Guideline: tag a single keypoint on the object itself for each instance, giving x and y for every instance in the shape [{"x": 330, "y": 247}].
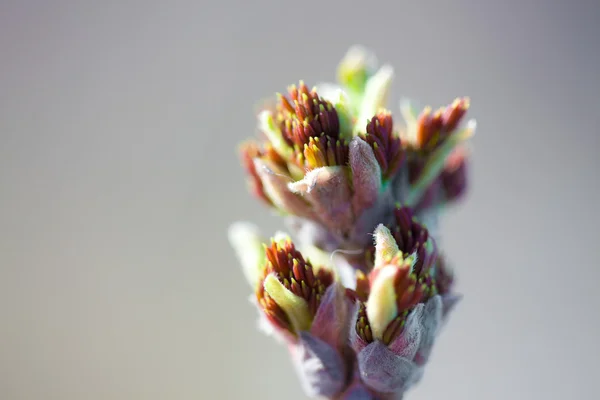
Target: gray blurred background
[{"x": 119, "y": 177}]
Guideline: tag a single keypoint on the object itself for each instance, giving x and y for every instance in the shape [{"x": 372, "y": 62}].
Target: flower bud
[
  {"x": 403, "y": 276},
  {"x": 395, "y": 290},
  {"x": 435, "y": 162},
  {"x": 385, "y": 143},
  {"x": 413, "y": 239},
  {"x": 433, "y": 127},
  {"x": 311, "y": 126},
  {"x": 306, "y": 115},
  {"x": 305, "y": 304},
  {"x": 333, "y": 165},
  {"x": 290, "y": 290}
]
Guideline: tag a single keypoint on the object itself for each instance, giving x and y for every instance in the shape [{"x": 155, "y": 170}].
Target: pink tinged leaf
[
  {"x": 383, "y": 371},
  {"x": 366, "y": 175},
  {"x": 327, "y": 189},
  {"x": 331, "y": 320},
  {"x": 407, "y": 342},
  {"x": 320, "y": 367},
  {"x": 275, "y": 186},
  {"x": 431, "y": 320}
]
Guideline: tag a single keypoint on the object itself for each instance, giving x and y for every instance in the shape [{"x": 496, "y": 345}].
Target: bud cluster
[{"x": 362, "y": 294}]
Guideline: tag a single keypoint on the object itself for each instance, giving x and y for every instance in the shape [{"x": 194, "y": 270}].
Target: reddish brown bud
[
  {"x": 433, "y": 127},
  {"x": 325, "y": 151},
  {"x": 306, "y": 115},
  {"x": 425, "y": 128},
  {"x": 454, "y": 113},
  {"x": 297, "y": 275},
  {"x": 395, "y": 328},
  {"x": 413, "y": 238},
  {"x": 410, "y": 290},
  {"x": 385, "y": 143}
]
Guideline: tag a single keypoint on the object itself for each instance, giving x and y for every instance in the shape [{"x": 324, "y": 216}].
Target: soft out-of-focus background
[{"x": 118, "y": 179}]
